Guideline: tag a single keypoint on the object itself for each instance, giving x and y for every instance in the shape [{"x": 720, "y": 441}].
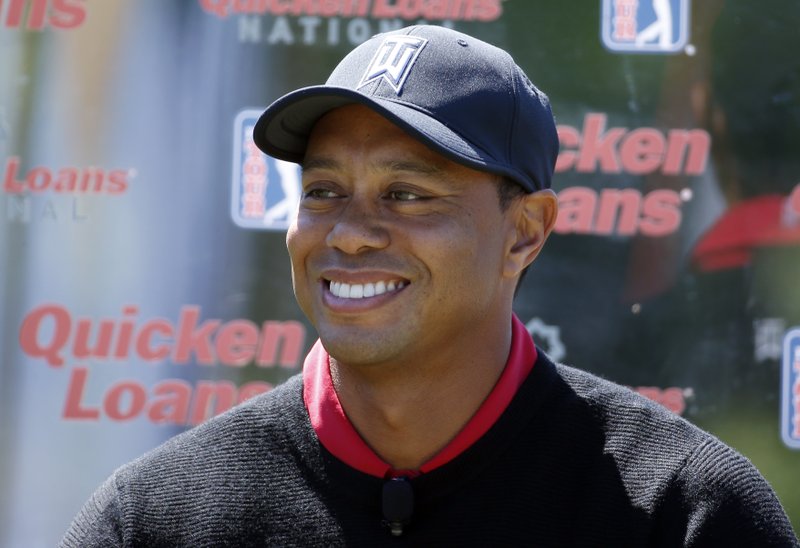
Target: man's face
[{"x": 397, "y": 252}]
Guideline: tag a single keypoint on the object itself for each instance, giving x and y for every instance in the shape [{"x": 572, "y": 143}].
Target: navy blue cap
[{"x": 464, "y": 98}]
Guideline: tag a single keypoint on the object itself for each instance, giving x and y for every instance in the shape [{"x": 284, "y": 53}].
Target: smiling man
[{"x": 425, "y": 415}]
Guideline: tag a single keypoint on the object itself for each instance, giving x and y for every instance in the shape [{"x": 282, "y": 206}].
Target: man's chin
[{"x": 361, "y": 349}]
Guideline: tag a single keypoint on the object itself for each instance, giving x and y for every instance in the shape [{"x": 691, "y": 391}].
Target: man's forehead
[
  {"x": 357, "y": 125},
  {"x": 345, "y": 129},
  {"x": 419, "y": 166}
]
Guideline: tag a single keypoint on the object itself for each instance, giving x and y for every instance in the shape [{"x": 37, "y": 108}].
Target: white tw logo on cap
[{"x": 393, "y": 61}]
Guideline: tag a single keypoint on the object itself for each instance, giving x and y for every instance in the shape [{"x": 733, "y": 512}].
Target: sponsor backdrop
[{"x": 143, "y": 276}]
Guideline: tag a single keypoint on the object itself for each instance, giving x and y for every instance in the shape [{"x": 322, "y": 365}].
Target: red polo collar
[{"x": 340, "y": 438}]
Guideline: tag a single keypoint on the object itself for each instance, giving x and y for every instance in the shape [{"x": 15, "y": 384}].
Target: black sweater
[{"x": 573, "y": 461}]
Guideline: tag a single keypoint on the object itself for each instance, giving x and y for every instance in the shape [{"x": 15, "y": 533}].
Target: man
[{"x": 425, "y": 416}]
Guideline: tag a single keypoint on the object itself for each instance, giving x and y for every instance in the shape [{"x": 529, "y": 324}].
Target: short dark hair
[{"x": 507, "y": 191}]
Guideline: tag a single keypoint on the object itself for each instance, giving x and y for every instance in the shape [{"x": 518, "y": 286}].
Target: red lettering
[
  {"x": 92, "y": 180},
  {"x": 280, "y": 7},
  {"x": 381, "y": 9},
  {"x": 624, "y": 29},
  {"x": 37, "y": 14},
  {"x": 253, "y": 207},
  {"x": 362, "y": 9},
  {"x": 599, "y": 147},
  {"x": 468, "y": 10},
  {"x": 638, "y": 152},
  {"x": 674, "y": 400},
  {"x": 255, "y": 179},
  {"x": 474, "y": 10},
  {"x": 255, "y": 166},
  {"x": 454, "y": 11},
  {"x": 10, "y": 183},
  {"x": 73, "y": 408},
  {"x": 172, "y": 401},
  {"x": 671, "y": 398},
  {"x": 30, "y": 330},
  {"x": 649, "y": 392},
  {"x": 39, "y": 179},
  {"x": 697, "y": 141},
  {"x": 435, "y": 10},
  {"x": 642, "y": 151},
  {"x": 624, "y": 20},
  {"x": 409, "y": 9},
  {"x": 576, "y": 207},
  {"x": 68, "y": 14},
  {"x": 488, "y": 10},
  {"x": 102, "y": 347},
  {"x": 173, "y": 405},
  {"x": 289, "y": 336},
  {"x": 122, "y": 348},
  {"x": 14, "y": 15},
  {"x": 796, "y": 419},
  {"x": 661, "y": 213},
  {"x": 301, "y": 7},
  {"x": 192, "y": 339},
  {"x": 47, "y": 331},
  {"x": 114, "y": 402},
  {"x": 236, "y": 342},
  {"x": 66, "y": 180},
  {"x": 569, "y": 138},
  {"x": 329, "y": 8},
  {"x": 117, "y": 181},
  {"x": 620, "y": 209},
  {"x": 253, "y": 188},
  {"x": 217, "y": 7},
  {"x": 143, "y": 347}
]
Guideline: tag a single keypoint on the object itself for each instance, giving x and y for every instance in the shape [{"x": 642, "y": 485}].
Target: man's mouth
[{"x": 362, "y": 291}]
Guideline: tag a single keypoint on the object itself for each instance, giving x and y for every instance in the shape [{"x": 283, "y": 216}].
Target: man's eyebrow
[
  {"x": 424, "y": 168},
  {"x": 319, "y": 163}
]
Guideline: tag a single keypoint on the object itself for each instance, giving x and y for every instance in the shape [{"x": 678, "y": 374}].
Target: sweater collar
[{"x": 340, "y": 438}]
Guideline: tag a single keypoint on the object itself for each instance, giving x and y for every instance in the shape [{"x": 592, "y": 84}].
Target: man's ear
[{"x": 534, "y": 216}]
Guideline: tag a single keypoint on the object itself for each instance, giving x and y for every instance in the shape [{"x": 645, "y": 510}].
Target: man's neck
[{"x": 408, "y": 412}]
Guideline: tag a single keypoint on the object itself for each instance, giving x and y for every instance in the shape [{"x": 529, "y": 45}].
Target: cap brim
[{"x": 283, "y": 129}]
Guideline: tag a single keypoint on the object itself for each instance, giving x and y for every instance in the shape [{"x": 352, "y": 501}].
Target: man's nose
[{"x": 358, "y": 228}]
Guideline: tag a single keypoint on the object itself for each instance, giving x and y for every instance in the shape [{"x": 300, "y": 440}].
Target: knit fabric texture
[{"x": 574, "y": 461}]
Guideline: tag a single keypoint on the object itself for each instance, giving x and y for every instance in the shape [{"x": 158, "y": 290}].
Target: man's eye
[
  {"x": 403, "y": 195},
  {"x": 320, "y": 194}
]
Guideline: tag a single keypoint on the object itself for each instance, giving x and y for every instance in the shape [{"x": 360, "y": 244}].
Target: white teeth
[{"x": 360, "y": 291}]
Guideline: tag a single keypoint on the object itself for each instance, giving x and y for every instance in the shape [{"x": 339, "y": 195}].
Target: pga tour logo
[
  {"x": 645, "y": 26},
  {"x": 790, "y": 390},
  {"x": 265, "y": 192}
]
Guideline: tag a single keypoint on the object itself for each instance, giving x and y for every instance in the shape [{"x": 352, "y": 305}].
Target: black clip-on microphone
[{"x": 398, "y": 504}]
